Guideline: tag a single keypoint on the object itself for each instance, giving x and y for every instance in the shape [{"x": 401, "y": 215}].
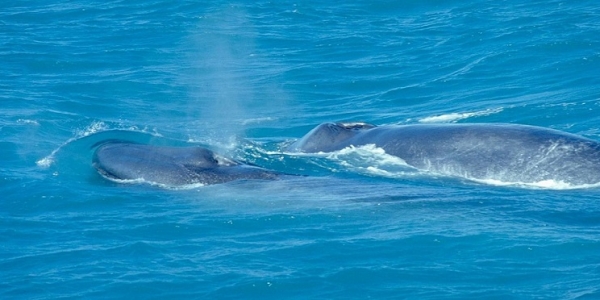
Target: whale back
[
  {"x": 498, "y": 152},
  {"x": 171, "y": 165},
  {"x": 328, "y": 137}
]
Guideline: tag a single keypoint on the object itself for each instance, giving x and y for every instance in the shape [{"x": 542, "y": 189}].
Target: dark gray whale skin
[
  {"x": 505, "y": 152},
  {"x": 171, "y": 166}
]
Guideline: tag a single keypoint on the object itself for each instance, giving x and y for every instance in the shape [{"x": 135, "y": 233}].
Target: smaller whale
[
  {"x": 171, "y": 166},
  {"x": 503, "y": 152}
]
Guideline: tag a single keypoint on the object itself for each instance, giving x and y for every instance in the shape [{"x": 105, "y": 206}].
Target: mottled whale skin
[
  {"x": 171, "y": 166},
  {"x": 504, "y": 152}
]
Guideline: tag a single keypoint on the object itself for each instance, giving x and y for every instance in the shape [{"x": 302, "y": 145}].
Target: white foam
[
  {"x": 93, "y": 128},
  {"x": 370, "y": 159},
  {"x": 28, "y": 122},
  {"x": 453, "y": 117},
  {"x": 258, "y": 120},
  {"x": 549, "y": 184},
  {"x": 46, "y": 161},
  {"x": 369, "y": 152},
  {"x": 160, "y": 185},
  {"x": 49, "y": 160}
]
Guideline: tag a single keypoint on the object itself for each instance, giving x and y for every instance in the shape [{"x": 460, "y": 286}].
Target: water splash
[
  {"x": 91, "y": 129},
  {"x": 368, "y": 159},
  {"x": 544, "y": 184},
  {"x": 136, "y": 181},
  {"x": 453, "y": 117}
]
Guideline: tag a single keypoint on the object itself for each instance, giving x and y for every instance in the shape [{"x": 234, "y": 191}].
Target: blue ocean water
[{"x": 246, "y": 78}]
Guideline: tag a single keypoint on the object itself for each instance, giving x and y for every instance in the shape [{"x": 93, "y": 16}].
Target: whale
[
  {"x": 171, "y": 166},
  {"x": 502, "y": 152}
]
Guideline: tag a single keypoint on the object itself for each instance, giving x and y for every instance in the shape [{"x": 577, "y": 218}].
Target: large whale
[
  {"x": 503, "y": 152},
  {"x": 171, "y": 166}
]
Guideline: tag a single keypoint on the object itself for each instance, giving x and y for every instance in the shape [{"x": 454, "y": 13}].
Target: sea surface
[{"x": 246, "y": 78}]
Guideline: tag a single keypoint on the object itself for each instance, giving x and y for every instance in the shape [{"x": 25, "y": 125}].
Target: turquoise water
[{"x": 246, "y": 79}]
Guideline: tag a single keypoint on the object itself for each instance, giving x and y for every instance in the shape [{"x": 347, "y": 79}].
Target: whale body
[
  {"x": 171, "y": 166},
  {"x": 503, "y": 152}
]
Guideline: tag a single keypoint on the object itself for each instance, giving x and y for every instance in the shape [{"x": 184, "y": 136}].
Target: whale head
[
  {"x": 329, "y": 137},
  {"x": 167, "y": 165}
]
